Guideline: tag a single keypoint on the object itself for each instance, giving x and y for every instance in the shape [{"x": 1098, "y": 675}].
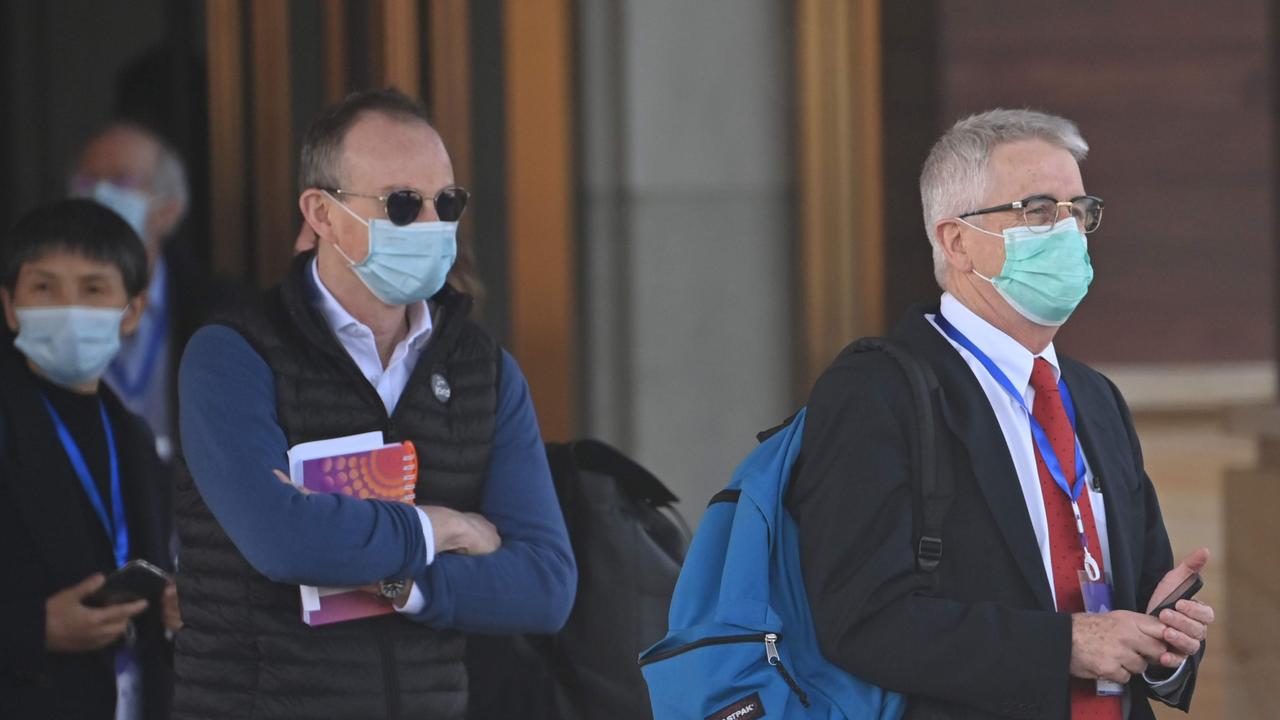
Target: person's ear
[
  {"x": 10, "y": 315},
  {"x": 314, "y": 205},
  {"x": 305, "y": 240},
  {"x": 133, "y": 314},
  {"x": 951, "y": 238},
  {"x": 163, "y": 218}
]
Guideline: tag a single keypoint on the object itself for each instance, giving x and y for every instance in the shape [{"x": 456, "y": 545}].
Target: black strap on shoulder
[
  {"x": 934, "y": 482},
  {"x": 725, "y": 496}
]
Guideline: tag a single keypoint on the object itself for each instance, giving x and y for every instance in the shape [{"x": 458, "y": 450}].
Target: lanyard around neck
[
  {"x": 114, "y": 523},
  {"x": 1041, "y": 438}
]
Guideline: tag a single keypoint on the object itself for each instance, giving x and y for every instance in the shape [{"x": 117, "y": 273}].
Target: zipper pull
[{"x": 771, "y": 648}]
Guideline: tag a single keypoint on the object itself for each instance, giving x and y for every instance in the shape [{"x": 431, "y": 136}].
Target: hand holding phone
[
  {"x": 1185, "y": 591},
  {"x": 137, "y": 580},
  {"x": 73, "y": 627}
]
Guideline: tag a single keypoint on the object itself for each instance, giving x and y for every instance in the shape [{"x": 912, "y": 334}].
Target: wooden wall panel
[
  {"x": 225, "y": 36},
  {"x": 537, "y": 49},
  {"x": 334, "y": 17},
  {"x": 275, "y": 216},
  {"x": 449, "y": 54},
  {"x": 839, "y": 176},
  {"x": 399, "y": 32}
]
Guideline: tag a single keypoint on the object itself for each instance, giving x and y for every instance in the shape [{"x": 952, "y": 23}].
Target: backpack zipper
[
  {"x": 704, "y": 642},
  {"x": 770, "y": 641},
  {"x": 771, "y": 652}
]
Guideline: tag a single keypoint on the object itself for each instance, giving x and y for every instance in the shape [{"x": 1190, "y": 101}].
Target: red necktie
[{"x": 1064, "y": 539}]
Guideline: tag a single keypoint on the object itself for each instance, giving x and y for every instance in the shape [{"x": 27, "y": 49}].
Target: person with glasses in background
[
  {"x": 1053, "y": 549},
  {"x": 369, "y": 331},
  {"x": 138, "y": 175},
  {"x": 82, "y": 492}
]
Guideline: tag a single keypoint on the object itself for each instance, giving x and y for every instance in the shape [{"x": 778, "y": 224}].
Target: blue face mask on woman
[
  {"x": 1046, "y": 274},
  {"x": 72, "y": 345},
  {"x": 406, "y": 263}
]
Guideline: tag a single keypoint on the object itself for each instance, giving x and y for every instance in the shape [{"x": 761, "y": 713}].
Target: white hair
[
  {"x": 170, "y": 181},
  {"x": 955, "y": 178}
]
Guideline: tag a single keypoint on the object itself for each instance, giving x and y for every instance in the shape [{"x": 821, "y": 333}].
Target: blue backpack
[{"x": 741, "y": 642}]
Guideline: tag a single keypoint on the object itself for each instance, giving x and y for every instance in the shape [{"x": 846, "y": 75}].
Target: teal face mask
[{"x": 1045, "y": 274}]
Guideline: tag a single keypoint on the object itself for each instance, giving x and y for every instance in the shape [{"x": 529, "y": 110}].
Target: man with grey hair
[
  {"x": 135, "y": 173},
  {"x": 1053, "y": 550}
]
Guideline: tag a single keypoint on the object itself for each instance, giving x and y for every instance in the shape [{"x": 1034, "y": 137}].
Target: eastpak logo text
[{"x": 748, "y": 708}]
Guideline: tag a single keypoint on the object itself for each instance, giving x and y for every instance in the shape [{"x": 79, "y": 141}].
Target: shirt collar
[
  {"x": 1014, "y": 360},
  {"x": 344, "y": 323}
]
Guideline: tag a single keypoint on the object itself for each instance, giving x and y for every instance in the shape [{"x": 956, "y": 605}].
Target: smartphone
[
  {"x": 1185, "y": 591},
  {"x": 137, "y": 580}
]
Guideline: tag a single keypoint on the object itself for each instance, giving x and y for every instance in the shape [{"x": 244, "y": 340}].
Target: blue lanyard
[
  {"x": 115, "y": 525},
  {"x": 1041, "y": 438},
  {"x": 133, "y": 387}
]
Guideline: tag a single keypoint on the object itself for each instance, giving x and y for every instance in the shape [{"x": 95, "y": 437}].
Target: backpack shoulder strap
[{"x": 931, "y": 454}]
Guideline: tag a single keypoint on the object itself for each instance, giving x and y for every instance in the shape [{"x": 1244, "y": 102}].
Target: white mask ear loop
[
  {"x": 343, "y": 205},
  {"x": 336, "y": 246},
  {"x": 981, "y": 230},
  {"x": 988, "y": 232}
]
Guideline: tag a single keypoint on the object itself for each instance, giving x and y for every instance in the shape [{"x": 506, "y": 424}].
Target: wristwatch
[{"x": 392, "y": 589}]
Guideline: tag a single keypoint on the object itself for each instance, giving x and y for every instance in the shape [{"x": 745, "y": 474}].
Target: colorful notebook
[{"x": 360, "y": 466}]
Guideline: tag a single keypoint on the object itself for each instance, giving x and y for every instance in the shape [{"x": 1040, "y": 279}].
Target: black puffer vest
[{"x": 244, "y": 651}]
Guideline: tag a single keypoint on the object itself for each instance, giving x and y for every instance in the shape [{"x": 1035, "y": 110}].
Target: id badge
[
  {"x": 128, "y": 684},
  {"x": 1097, "y": 599}
]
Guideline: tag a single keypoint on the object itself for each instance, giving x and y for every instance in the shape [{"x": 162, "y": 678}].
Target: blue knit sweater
[{"x": 232, "y": 440}]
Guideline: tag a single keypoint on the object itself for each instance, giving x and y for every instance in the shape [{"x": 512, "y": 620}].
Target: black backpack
[{"x": 629, "y": 544}]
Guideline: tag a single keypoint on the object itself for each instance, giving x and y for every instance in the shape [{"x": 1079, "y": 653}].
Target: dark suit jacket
[
  {"x": 45, "y": 546},
  {"x": 980, "y": 637}
]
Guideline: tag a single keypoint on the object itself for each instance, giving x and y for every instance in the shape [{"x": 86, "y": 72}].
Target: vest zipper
[
  {"x": 771, "y": 652},
  {"x": 391, "y": 679}
]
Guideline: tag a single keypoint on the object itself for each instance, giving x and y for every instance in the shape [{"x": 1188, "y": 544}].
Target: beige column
[{"x": 840, "y": 177}]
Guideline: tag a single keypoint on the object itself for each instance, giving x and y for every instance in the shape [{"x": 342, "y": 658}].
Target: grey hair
[
  {"x": 955, "y": 178},
  {"x": 171, "y": 178}
]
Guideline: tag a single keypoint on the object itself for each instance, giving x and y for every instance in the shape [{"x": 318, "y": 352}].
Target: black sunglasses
[{"x": 403, "y": 206}]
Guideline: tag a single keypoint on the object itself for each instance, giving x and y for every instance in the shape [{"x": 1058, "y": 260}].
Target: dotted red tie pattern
[{"x": 1064, "y": 539}]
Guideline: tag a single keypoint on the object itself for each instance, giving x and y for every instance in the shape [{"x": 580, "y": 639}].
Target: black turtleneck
[{"x": 81, "y": 414}]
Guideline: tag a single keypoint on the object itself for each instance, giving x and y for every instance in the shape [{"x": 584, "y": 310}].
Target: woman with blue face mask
[{"x": 82, "y": 492}]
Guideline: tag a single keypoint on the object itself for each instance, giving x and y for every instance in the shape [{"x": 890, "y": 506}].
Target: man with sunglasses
[
  {"x": 1053, "y": 550},
  {"x": 369, "y": 331}
]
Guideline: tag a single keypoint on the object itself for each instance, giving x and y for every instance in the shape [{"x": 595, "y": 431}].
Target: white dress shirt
[
  {"x": 1015, "y": 421},
  {"x": 357, "y": 339},
  {"x": 1015, "y": 361}
]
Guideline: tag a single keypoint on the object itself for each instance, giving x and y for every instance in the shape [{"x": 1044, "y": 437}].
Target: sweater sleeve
[
  {"x": 232, "y": 440},
  {"x": 528, "y": 585}
]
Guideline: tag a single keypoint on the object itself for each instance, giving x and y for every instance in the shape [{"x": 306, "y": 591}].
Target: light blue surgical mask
[
  {"x": 406, "y": 263},
  {"x": 71, "y": 344},
  {"x": 132, "y": 205},
  {"x": 1045, "y": 274}
]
